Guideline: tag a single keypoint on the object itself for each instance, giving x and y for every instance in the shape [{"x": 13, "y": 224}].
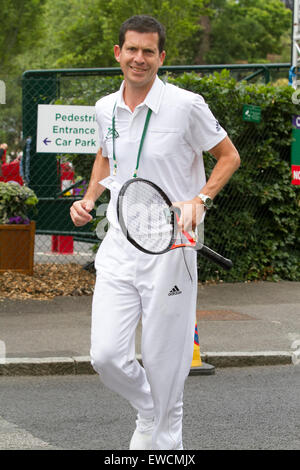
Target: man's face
[{"x": 139, "y": 58}]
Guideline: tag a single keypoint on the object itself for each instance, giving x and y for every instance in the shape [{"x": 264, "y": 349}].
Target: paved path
[{"x": 238, "y": 324}]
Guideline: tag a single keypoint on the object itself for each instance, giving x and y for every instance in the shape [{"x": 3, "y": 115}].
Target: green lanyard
[{"x": 141, "y": 143}]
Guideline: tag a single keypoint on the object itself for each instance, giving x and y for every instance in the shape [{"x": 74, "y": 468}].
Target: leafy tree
[
  {"x": 247, "y": 30},
  {"x": 58, "y": 33},
  {"x": 20, "y": 35},
  {"x": 83, "y": 34},
  {"x": 19, "y": 30}
]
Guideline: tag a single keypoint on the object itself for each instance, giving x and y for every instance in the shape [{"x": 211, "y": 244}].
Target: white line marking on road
[{"x": 14, "y": 437}]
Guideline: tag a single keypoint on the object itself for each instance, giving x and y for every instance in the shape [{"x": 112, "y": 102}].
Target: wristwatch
[{"x": 207, "y": 201}]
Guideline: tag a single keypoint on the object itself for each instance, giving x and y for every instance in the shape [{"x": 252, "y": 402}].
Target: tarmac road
[{"x": 237, "y": 408}]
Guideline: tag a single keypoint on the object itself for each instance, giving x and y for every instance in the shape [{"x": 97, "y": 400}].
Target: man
[{"x": 131, "y": 284}]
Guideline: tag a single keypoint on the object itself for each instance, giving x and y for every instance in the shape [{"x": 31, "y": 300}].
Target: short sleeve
[
  {"x": 102, "y": 143},
  {"x": 203, "y": 131}
]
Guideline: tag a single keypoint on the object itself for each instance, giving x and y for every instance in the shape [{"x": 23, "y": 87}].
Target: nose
[{"x": 139, "y": 57}]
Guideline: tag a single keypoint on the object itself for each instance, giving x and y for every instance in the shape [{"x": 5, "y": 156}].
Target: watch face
[{"x": 208, "y": 203}]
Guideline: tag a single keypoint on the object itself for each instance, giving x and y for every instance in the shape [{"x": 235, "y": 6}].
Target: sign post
[
  {"x": 251, "y": 113},
  {"x": 66, "y": 129}
]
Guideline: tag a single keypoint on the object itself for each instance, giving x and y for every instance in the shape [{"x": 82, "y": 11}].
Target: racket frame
[
  {"x": 198, "y": 246},
  {"x": 123, "y": 223}
]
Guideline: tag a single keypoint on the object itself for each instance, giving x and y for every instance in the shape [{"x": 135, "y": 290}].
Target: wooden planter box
[{"x": 17, "y": 248}]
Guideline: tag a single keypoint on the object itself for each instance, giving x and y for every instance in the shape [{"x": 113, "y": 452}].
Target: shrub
[
  {"x": 15, "y": 203},
  {"x": 255, "y": 220}
]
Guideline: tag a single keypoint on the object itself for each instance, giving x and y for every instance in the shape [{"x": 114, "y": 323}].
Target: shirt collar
[{"x": 152, "y": 100}]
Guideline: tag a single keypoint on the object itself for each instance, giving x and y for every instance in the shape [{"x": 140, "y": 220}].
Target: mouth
[{"x": 137, "y": 69}]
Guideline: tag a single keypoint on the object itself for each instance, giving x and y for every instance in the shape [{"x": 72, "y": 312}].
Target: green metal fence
[{"x": 42, "y": 172}]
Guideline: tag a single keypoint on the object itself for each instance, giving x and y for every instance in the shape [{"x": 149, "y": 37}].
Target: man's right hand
[{"x": 80, "y": 212}]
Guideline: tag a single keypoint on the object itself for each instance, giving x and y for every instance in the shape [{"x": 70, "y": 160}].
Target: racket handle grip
[{"x": 225, "y": 263}]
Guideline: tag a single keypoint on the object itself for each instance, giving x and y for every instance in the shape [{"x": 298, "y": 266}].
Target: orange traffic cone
[
  {"x": 198, "y": 367},
  {"x": 196, "y": 362}
]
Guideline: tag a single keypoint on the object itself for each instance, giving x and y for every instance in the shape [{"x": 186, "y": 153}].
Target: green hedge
[
  {"x": 256, "y": 216},
  {"x": 255, "y": 220}
]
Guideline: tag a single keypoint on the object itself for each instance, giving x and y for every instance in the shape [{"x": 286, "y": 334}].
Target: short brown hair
[{"x": 143, "y": 24}]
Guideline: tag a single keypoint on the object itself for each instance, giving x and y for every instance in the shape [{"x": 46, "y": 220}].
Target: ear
[
  {"x": 162, "y": 57},
  {"x": 117, "y": 52}
]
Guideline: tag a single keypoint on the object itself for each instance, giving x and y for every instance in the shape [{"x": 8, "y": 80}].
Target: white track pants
[{"x": 162, "y": 290}]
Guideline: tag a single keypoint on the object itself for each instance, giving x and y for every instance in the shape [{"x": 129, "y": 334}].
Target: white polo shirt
[{"x": 181, "y": 127}]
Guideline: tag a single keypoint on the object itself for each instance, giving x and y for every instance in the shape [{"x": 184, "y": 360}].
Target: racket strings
[{"x": 147, "y": 217}]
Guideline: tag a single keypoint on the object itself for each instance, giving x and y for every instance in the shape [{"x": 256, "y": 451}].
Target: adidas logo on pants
[{"x": 175, "y": 291}]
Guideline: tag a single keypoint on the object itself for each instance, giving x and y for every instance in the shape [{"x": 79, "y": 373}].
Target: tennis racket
[{"x": 149, "y": 221}]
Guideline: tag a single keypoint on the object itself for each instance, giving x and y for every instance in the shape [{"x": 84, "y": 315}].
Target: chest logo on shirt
[{"x": 110, "y": 134}]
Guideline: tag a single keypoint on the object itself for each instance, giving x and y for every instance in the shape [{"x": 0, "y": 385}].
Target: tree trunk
[{"x": 205, "y": 43}]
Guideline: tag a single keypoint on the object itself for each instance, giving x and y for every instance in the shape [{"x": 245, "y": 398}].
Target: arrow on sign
[
  {"x": 247, "y": 113},
  {"x": 46, "y": 141}
]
